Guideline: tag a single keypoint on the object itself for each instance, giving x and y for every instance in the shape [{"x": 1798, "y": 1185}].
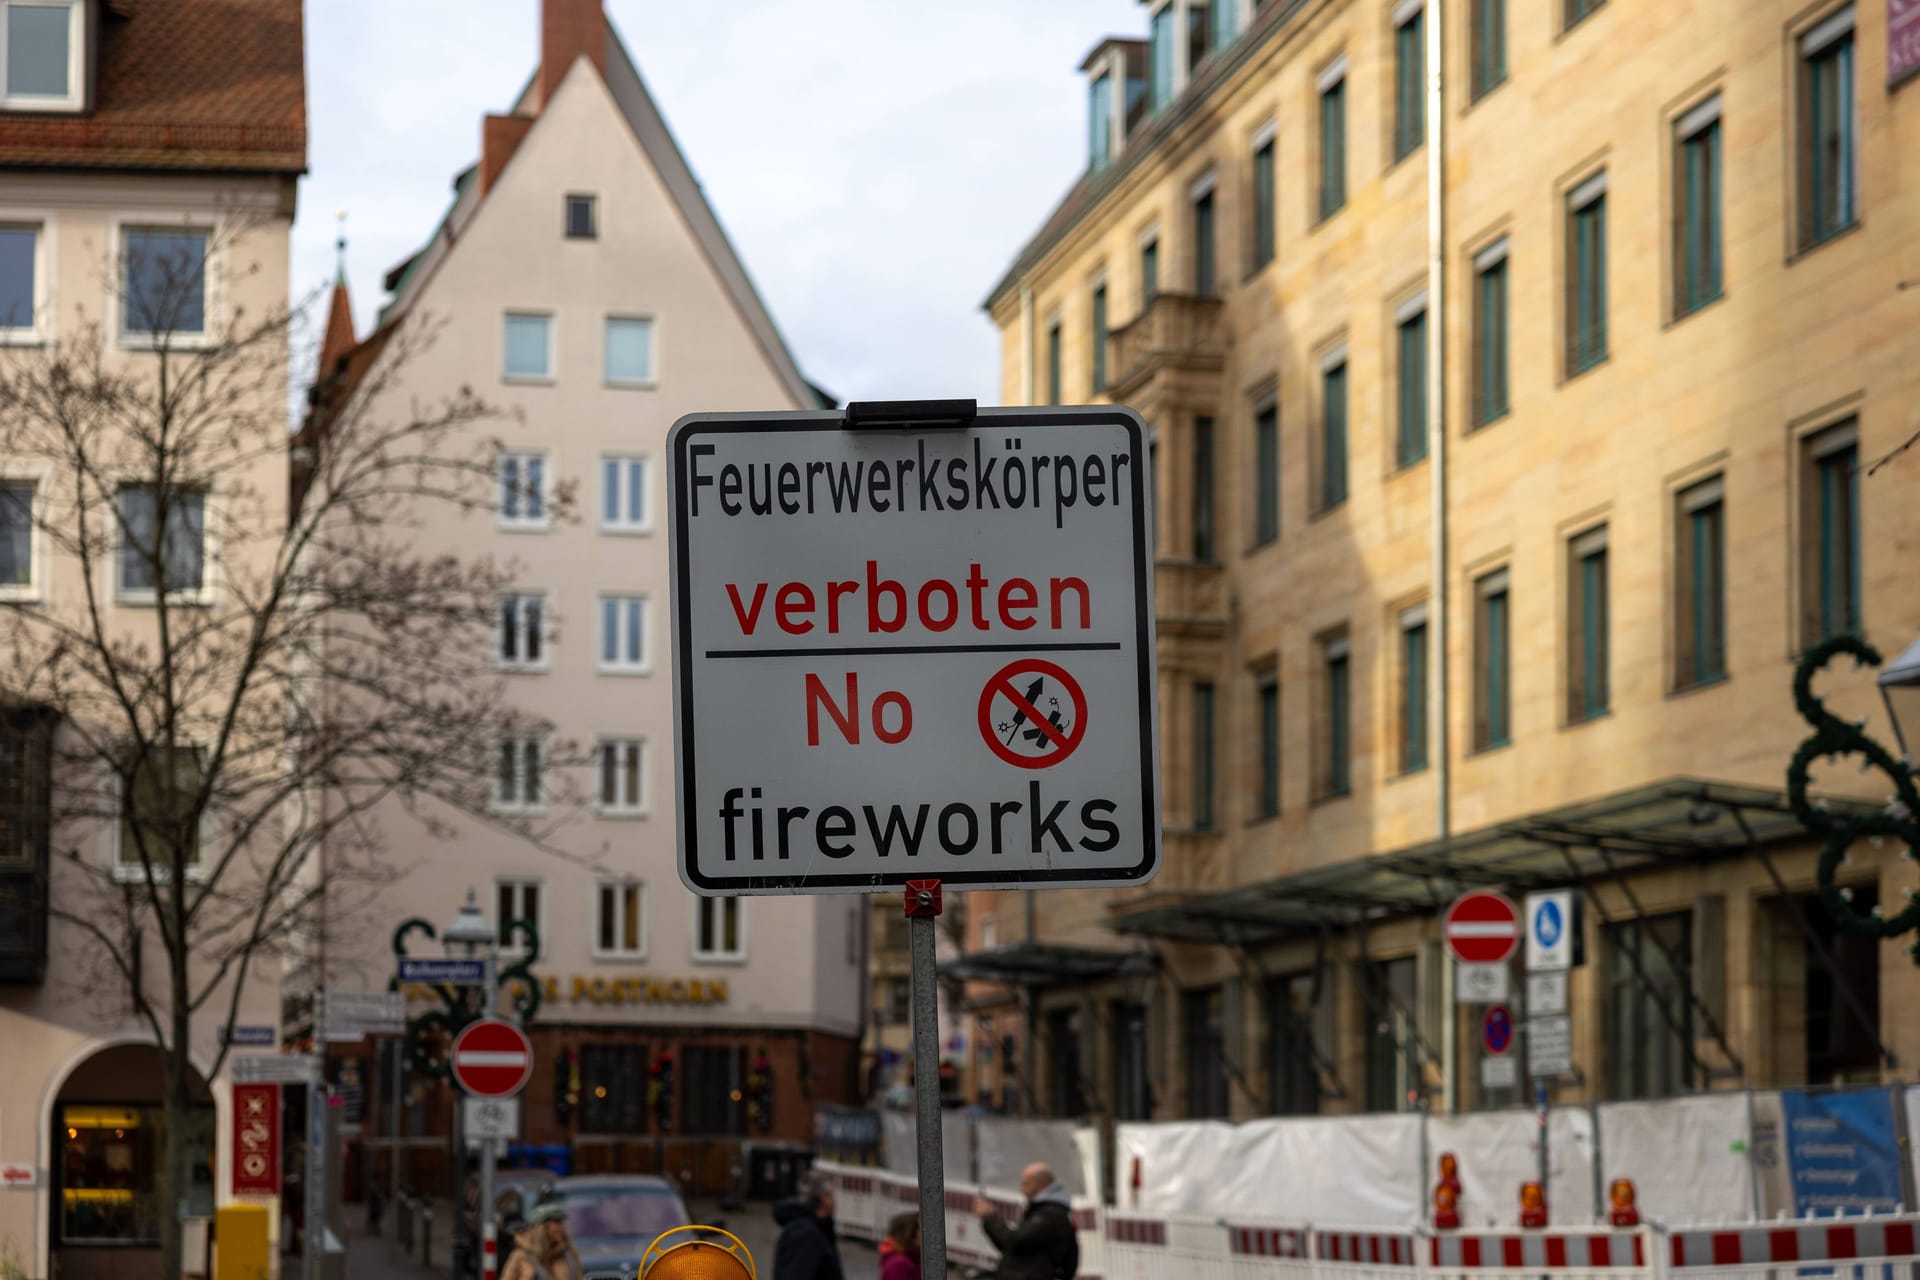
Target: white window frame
[
  {"x": 501, "y": 804},
  {"x": 126, "y": 872},
  {"x": 212, "y": 278},
  {"x": 35, "y": 589},
  {"x": 618, "y": 666},
  {"x": 41, "y": 223},
  {"x": 653, "y": 349},
  {"x": 524, "y": 523},
  {"x": 539, "y": 916},
  {"x": 623, "y": 525},
  {"x": 619, "y": 885},
  {"x": 148, "y": 597},
  {"x": 76, "y": 60},
  {"x": 545, "y": 377},
  {"x": 618, "y": 808},
  {"x": 500, "y": 661},
  {"x": 736, "y": 956}
]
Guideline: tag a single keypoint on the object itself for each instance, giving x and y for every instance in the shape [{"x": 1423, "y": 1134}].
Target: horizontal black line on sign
[{"x": 853, "y": 651}]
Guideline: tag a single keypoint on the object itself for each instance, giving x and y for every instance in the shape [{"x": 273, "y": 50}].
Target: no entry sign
[
  {"x": 913, "y": 652},
  {"x": 492, "y": 1059},
  {"x": 1482, "y": 927}
]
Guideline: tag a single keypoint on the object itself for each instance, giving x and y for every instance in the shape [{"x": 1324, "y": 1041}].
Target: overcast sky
[{"x": 876, "y": 162}]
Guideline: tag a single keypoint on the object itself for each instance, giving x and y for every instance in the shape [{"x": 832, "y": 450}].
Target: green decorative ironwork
[
  {"x": 1833, "y": 738},
  {"x": 460, "y": 1006}
]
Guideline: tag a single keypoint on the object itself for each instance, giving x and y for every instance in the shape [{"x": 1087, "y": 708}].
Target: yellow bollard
[
  {"x": 241, "y": 1250},
  {"x": 697, "y": 1257}
]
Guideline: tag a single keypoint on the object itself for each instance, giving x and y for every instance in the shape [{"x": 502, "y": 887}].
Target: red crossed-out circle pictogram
[
  {"x": 1021, "y": 720},
  {"x": 492, "y": 1059}
]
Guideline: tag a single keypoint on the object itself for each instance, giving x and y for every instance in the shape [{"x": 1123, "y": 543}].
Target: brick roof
[{"x": 181, "y": 84}]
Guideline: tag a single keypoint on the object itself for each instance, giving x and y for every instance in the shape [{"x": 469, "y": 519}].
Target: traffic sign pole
[
  {"x": 484, "y": 1217},
  {"x": 923, "y": 909}
]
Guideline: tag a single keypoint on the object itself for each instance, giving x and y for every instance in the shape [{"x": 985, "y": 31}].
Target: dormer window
[
  {"x": 1100, "y": 122},
  {"x": 1160, "y": 59},
  {"x": 40, "y": 44}
]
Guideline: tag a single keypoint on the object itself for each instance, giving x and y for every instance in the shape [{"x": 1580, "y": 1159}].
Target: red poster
[{"x": 256, "y": 1139}]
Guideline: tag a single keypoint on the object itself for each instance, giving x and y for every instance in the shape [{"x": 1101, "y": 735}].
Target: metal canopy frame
[{"x": 1041, "y": 965}]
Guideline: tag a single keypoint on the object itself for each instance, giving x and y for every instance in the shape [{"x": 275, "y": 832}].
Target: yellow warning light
[{"x": 699, "y": 1255}]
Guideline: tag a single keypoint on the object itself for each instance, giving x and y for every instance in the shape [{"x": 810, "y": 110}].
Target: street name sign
[
  {"x": 490, "y": 1119},
  {"x": 249, "y": 1036},
  {"x": 492, "y": 1059},
  {"x": 1549, "y": 1045},
  {"x": 275, "y": 1068},
  {"x": 916, "y": 650},
  {"x": 1482, "y": 927},
  {"x": 459, "y": 973}
]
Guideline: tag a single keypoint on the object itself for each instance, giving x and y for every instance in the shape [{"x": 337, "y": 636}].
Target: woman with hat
[{"x": 543, "y": 1251}]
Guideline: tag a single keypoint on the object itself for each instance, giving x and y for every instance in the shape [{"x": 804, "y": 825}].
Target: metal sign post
[
  {"x": 923, "y": 909},
  {"x": 489, "y": 1259}
]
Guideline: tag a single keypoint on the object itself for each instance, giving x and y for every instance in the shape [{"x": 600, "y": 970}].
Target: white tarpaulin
[
  {"x": 900, "y": 1151},
  {"x": 1570, "y": 1188},
  {"x": 1498, "y": 1151},
  {"x": 1178, "y": 1166},
  {"x": 1687, "y": 1157},
  {"x": 1008, "y": 1146},
  {"x": 1353, "y": 1170},
  {"x": 1087, "y": 1142},
  {"x": 1913, "y": 1128}
]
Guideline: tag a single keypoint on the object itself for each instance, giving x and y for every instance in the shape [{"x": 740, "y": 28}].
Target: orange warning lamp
[
  {"x": 1446, "y": 1194},
  {"x": 1622, "y": 1211},
  {"x": 1533, "y": 1205},
  {"x": 698, "y": 1256}
]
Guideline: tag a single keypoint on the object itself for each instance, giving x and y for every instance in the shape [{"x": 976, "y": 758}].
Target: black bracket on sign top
[{"x": 863, "y": 415}]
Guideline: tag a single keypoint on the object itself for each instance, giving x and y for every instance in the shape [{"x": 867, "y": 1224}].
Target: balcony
[
  {"x": 1190, "y": 598},
  {"x": 26, "y": 831},
  {"x": 1177, "y": 333}
]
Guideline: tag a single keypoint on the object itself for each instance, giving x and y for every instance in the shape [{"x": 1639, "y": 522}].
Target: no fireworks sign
[{"x": 913, "y": 651}]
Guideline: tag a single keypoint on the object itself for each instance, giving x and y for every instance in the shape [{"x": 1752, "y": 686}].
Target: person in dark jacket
[
  {"x": 1043, "y": 1246},
  {"x": 806, "y": 1249}
]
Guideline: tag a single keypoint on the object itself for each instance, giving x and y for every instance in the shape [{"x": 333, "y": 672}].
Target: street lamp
[
  {"x": 1900, "y": 687},
  {"x": 469, "y": 930}
]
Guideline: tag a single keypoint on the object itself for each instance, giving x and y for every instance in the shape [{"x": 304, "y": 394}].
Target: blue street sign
[
  {"x": 249, "y": 1037},
  {"x": 1496, "y": 1030},
  {"x": 459, "y": 973},
  {"x": 1547, "y": 924}
]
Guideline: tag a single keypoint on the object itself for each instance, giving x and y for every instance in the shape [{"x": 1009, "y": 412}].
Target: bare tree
[{"x": 240, "y": 646}]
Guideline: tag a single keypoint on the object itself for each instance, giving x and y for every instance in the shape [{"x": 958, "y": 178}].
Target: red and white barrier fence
[{"x": 1821, "y": 1244}]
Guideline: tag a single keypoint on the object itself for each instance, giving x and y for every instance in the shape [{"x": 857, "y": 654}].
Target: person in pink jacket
[{"x": 900, "y": 1251}]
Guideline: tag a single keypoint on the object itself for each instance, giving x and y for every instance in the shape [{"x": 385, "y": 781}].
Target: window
[
  {"x": 1649, "y": 1014},
  {"x": 1203, "y": 784},
  {"x": 1333, "y": 138},
  {"x": 581, "y": 223},
  {"x": 1588, "y": 679},
  {"x": 18, "y": 510},
  {"x": 1268, "y": 691},
  {"x": 1160, "y": 54},
  {"x": 1489, "y": 18},
  {"x": 1413, "y": 689},
  {"x": 1199, "y": 35},
  {"x": 523, "y": 640},
  {"x": 163, "y": 283},
  {"x": 1225, "y": 18},
  {"x": 42, "y": 44},
  {"x": 1409, "y": 78},
  {"x": 515, "y": 900},
  {"x": 622, "y": 776},
  {"x": 1100, "y": 122},
  {"x": 1410, "y": 332},
  {"x": 1492, "y": 663},
  {"x": 519, "y": 774},
  {"x": 523, "y": 491},
  {"x": 623, "y": 634},
  {"x": 1066, "y": 1089},
  {"x": 712, "y": 1094},
  {"x": 718, "y": 934},
  {"x": 1829, "y": 534},
  {"x": 1587, "y": 275},
  {"x": 1574, "y": 11},
  {"x": 152, "y": 552},
  {"x": 623, "y": 495},
  {"x": 1393, "y": 1035},
  {"x": 157, "y": 818},
  {"x": 1294, "y": 1044},
  {"x": 613, "y": 1088},
  {"x": 1490, "y": 334},
  {"x": 1053, "y": 363},
  {"x": 1204, "y": 281},
  {"x": 1099, "y": 337},
  {"x": 529, "y": 346},
  {"x": 1203, "y": 489},
  {"x": 19, "y": 282},
  {"x": 1132, "y": 1088},
  {"x": 1700, "y": 586},
  {"x": 1149, "y": 270},
  {"x": 1696, "y": 249},
  {"x": 108, "y": 1168},
  {"x": 1333, "y": 430},
  {"x": 1266, "y": 474},
  {"x": 899, "y": 1001},
  {"x": 629, "y": 350},
  {"x": 1264, "y": 195},
  {"x": 620, "y": 920},
  {"x": 1829, "y": 131},
  {"x": 1206, "y": 1053},
  {"x": 1335, "y": 772}
]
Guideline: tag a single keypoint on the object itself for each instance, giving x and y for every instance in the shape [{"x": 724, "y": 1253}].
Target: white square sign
[
  {"x": 482, "y": 1119},
  {"x": 913, "y": 652},
  {"x": 1479, "y": 983},
  {"x": 1549, "y": 921}
]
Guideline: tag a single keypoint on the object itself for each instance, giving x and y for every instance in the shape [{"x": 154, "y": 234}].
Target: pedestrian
[
  {"x": 900, "y": 1251},
  {"x": 1043, "y": 1246},
  {"x": 806, "y": 1249},
  {"x": 544, "y": 1251}
]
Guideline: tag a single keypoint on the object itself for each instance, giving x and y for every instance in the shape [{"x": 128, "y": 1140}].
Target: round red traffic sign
[
  {"x": 1023, "y": 718},
  {"x": 492, "y": 1059},
  {"x": 1482, "y": 927},
  {"x": 1496, "y": 1030}
]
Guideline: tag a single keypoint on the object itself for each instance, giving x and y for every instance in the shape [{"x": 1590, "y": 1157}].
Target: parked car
[{"x": 614, "y": 1217}]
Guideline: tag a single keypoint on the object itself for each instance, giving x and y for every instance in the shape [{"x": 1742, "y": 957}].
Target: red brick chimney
[
  {"x": 568, "y": 29},
  {"x": 500, "y": 137}
]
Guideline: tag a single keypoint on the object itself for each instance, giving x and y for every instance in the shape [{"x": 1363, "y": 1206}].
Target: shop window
[
  {"x": 713, "y": 1090},
  {"x": 1066, "y": 1092},
  {"x": 1649, "y": 1006},
  {"x": 1393, "y": 1035},
  {"x": 613, "y": 1088},
  {"x": 1204, "y": 1015},
  {"x": 1132, "y": 1087},
  {"x": 1294, "y": 1044}
]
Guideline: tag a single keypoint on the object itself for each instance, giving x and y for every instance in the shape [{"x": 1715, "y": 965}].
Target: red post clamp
[{"x": 923, "y": 899}]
